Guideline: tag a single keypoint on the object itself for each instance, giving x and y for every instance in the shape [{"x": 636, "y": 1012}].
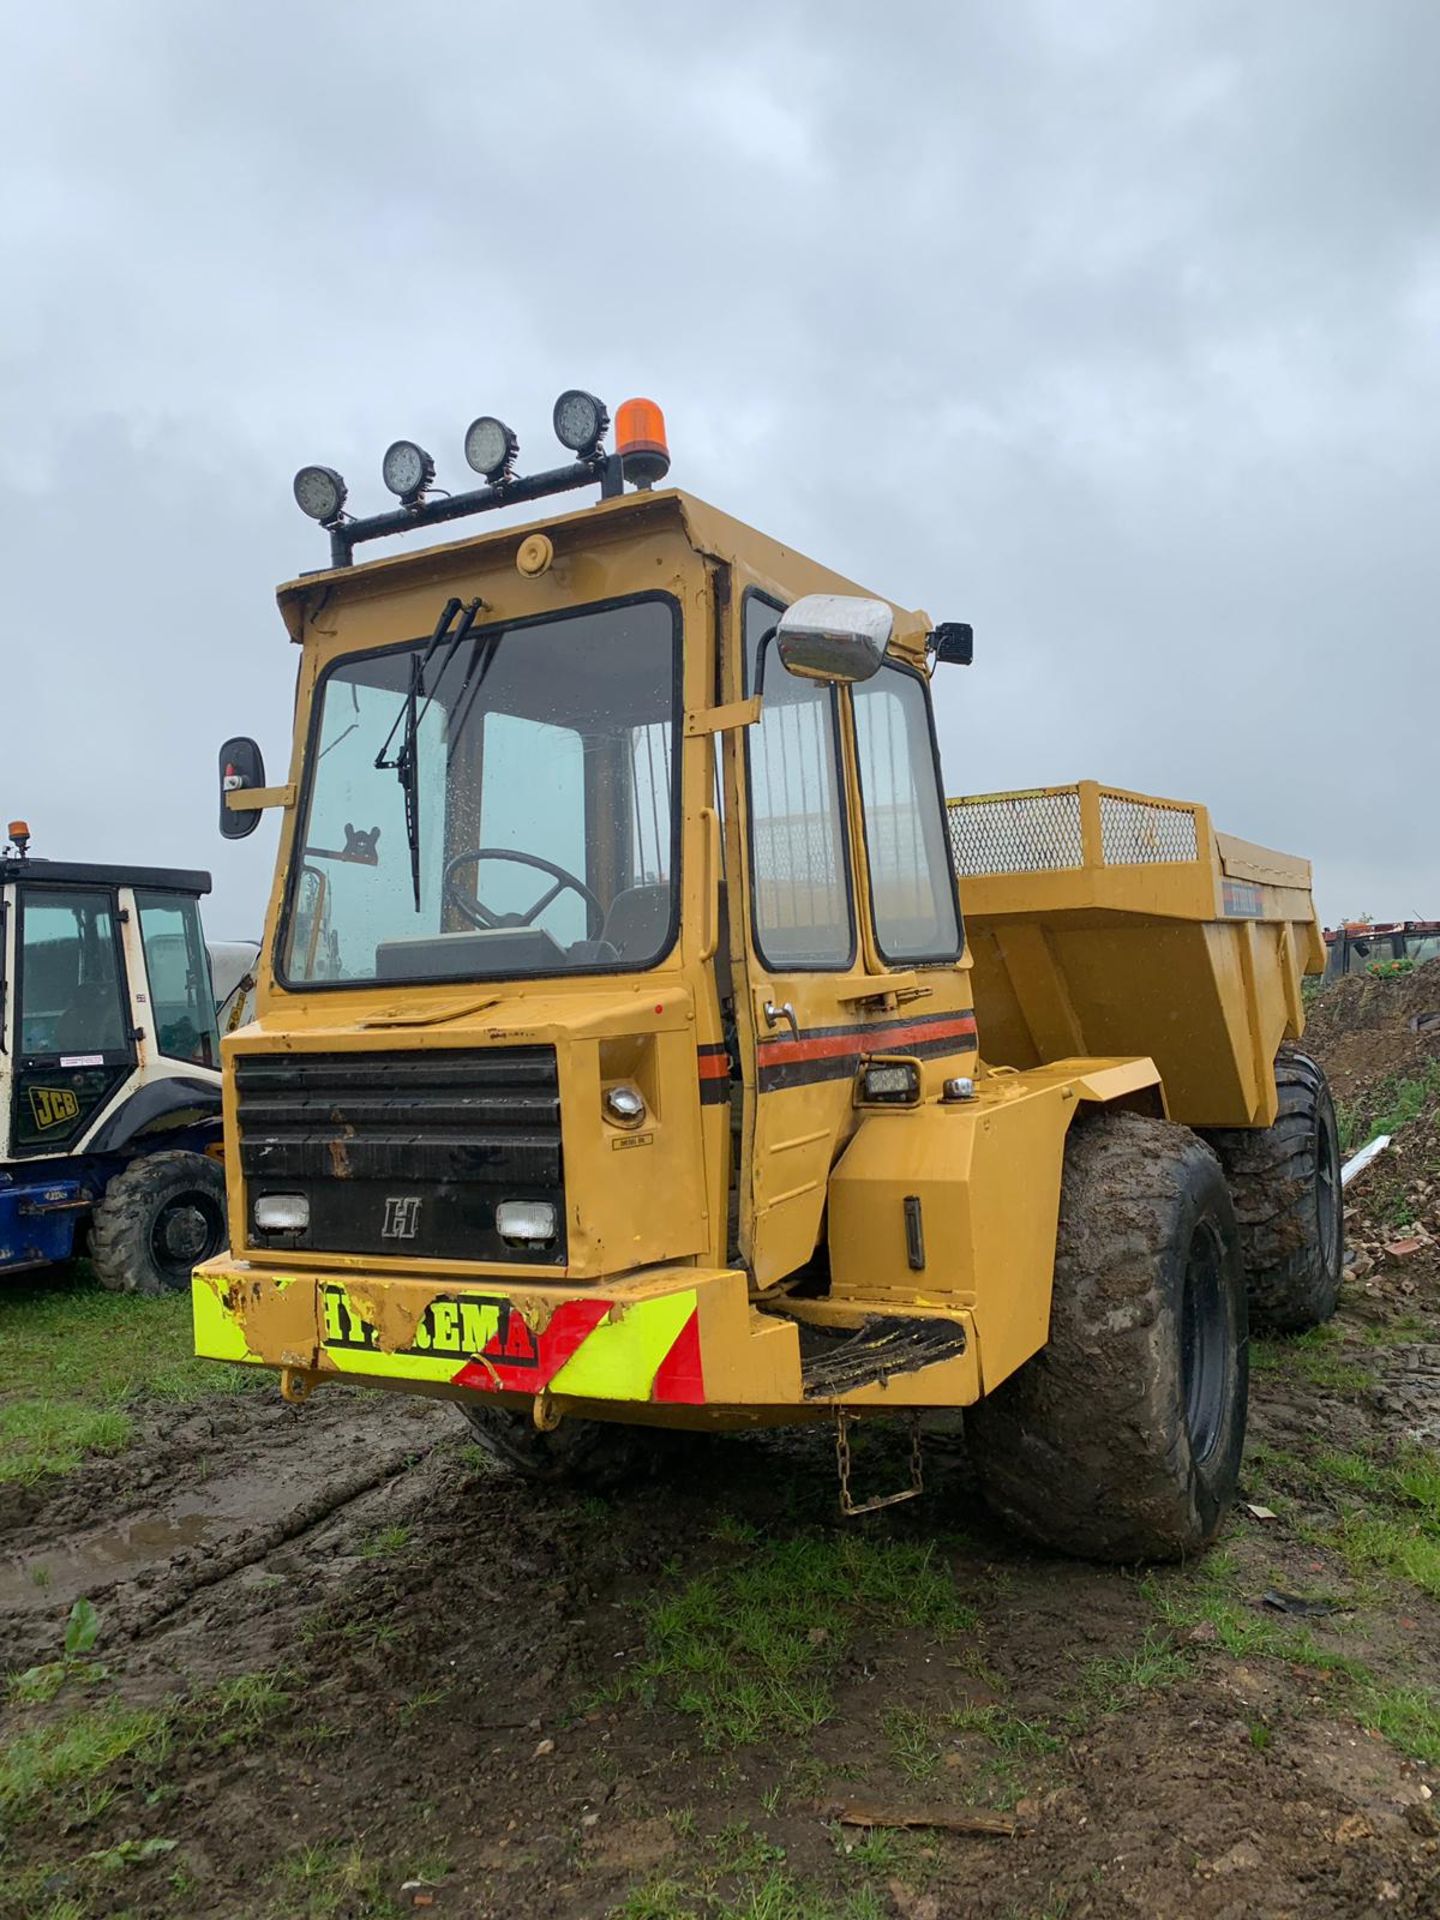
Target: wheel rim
[
  {"x": 1328, "y": 1199},
  {"x": 1205, "y": 1341},
  {"x": 186, "y": 1230}
]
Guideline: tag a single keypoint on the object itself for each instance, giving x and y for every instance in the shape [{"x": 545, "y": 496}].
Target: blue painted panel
[{"x": 37, "y": 1222}]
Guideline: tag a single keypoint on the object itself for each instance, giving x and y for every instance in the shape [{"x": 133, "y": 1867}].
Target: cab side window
[
  {"x": 912, "y": 883},
  {"x": 182, "y": 1002},
  {"x": 799, "y": 861}
]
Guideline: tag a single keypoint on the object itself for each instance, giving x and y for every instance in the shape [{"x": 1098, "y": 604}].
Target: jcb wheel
[
  {"x": 577, "y": 1453},
  {"x": 1121, "y": 1439},
  {"x": 157, "y": 1221},
  {"x": 1285, "y": 1182}
]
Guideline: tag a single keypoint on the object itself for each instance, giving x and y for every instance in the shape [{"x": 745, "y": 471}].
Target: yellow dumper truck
[{"x": 622, "y": 1061}]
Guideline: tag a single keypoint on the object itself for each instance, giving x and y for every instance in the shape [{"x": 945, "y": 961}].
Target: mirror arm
[{"x": 252, "y": 799}]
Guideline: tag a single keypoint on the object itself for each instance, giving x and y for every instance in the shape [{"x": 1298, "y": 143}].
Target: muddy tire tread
[
  {"x": 119, "y": 1237},
  {"x": 1271, "y": 1171},
  {"x": 599, "y": 1455},
  {"x": 1085, "y": 1448}
]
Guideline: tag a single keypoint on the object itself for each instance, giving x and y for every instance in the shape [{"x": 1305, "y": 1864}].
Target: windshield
[{"x": 532, "y": 811}]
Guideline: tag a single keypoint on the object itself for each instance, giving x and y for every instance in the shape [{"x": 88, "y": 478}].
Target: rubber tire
[
  {"x": 1088, "y": 1447},
  {"x": 1285, "y": 1182},
  {"x": 120, "y": 1248},
  {"x": 596, "y": 1454}
]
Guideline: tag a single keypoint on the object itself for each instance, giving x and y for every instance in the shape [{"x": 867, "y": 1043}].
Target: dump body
[{"x": 1107, "y": 922}]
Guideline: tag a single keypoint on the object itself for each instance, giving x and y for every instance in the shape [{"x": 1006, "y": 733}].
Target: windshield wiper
[{"x": 412, "y": 712}]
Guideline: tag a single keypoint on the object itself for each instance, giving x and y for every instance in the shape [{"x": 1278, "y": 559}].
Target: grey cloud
[{"x": 1110, "y": 328}]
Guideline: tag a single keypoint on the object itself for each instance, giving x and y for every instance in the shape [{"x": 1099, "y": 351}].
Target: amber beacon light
[{"x": 640, "y": 442}]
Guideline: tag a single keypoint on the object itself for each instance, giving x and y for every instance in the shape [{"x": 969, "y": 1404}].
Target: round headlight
[
  {"x": 407, "y": 469},
  {"x": 320, "y": 492},
  {"x": 580, "y": 422},
  {"x": 625, "y": 1105},
  {"x": 490, "y": 446}
]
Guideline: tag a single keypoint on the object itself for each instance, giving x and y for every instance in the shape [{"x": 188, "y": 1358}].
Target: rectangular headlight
[
  {"x": 526, "y": 1223},
  {"x": 282, "y": 1212}
]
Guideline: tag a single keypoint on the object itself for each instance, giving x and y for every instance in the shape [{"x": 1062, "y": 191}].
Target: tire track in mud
[{"x": 207, "y": 1515}]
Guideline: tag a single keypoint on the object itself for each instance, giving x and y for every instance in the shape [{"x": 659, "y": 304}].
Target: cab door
[
  {"x": 74, "y": 1044},
  {"x": 804, "y": 955},
  {"x": 855, "y": 946}
]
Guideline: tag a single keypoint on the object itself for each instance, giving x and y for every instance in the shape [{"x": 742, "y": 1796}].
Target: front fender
[{"x": 957, "y": 1203}]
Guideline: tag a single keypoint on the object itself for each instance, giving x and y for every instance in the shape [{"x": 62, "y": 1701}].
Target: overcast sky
[{"x": 1113, "y": 328}]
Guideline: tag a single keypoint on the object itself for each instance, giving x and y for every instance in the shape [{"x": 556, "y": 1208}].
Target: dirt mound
[{"x": 1369, "y": 1031}]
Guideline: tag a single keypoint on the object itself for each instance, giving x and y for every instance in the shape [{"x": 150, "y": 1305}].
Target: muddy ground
[{"x": 342, "y": 1666}]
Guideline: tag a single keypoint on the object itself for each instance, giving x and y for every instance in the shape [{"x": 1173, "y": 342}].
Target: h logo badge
[{"x": 402, "y": 1217}]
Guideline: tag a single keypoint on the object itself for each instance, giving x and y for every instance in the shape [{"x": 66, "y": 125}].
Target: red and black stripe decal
[
  {"x": 835, "y": 1053},
  {"x": 714, "y": 1063}
]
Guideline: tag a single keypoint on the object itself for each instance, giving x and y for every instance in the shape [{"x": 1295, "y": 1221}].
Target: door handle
[{"x": 784, "y": 1011}]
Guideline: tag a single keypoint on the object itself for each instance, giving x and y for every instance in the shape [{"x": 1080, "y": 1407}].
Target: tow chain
[{"x": 849, "y": 1506}]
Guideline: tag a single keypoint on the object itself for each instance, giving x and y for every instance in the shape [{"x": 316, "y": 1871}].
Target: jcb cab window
[
  {"x": 802, "y": 913},
  {"x": 71, "y": 999},
  {"x": 912, "y": 883}
]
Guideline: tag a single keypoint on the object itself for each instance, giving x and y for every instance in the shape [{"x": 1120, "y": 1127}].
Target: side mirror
[
  {"x": 241, "y": 765},
  {"x": 834, "y": 636},
  {"x": 954, "y": 643}
]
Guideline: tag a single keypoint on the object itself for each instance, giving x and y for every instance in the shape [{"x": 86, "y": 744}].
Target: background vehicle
[
  {"x": 1360, "y": 946},
  {"x": 109, "y": 1075},
  {"x": 233, "y": 972},
  {"x": 616, "y": 1062}
]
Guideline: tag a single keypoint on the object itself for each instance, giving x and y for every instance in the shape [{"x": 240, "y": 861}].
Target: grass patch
[
  {"x": 65, "y": 1758},
  {"x": 1313, "y": 1357},
  {"x": 385, "y": 1544},
  {"x": 776, "y": 1896},
  {"x": 1409, "y": 1717},
  {"x": 1394, "y": 1104},
  {"x": 1115, "y": 1681},
  {"x": 913, "y": 1741},
  {"x": 1391, "y": 1525},
  {"x": 318, "y": 1882},
  {"x": 70, "y": 1753},
  {"x": 1240, "y": 1631},
  {"x": 749, "y": 1648},
  {"x": 1006, "y": 1731},
  {"x": 96, "y": 1353}
]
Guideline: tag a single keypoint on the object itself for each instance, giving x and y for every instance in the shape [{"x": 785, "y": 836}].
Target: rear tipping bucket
[{"x": 1102, "y": 922}]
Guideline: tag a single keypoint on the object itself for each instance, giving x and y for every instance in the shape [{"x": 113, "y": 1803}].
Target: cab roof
[
  {"x": 709, "y": 531},
  {"x": 83, "y": 873}
]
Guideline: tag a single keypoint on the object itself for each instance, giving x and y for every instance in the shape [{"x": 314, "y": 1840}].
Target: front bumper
[{"x": 680, "y": 1345}]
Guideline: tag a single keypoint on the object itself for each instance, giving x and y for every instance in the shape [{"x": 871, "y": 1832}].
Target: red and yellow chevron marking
[{"x": 598, "y": 1349}]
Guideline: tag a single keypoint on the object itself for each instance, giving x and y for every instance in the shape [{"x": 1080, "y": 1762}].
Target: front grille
[{"x": 405, "y": 1154}]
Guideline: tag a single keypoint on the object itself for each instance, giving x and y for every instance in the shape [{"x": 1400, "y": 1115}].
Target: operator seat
[{"x": 90, "y": 1022}]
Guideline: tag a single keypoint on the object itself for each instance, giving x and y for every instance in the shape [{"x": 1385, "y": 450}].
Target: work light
[
  {"x": 580, "y": 422},
  {"x": 407, "y": 469},
  {"x": 320, "y": 492},
  {"x": 490, "y": 446},
  {"x": 890, "y": 1082}
]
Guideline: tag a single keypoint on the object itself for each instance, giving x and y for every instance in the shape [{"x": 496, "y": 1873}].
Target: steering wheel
[{"x": 485, "y": 918}]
